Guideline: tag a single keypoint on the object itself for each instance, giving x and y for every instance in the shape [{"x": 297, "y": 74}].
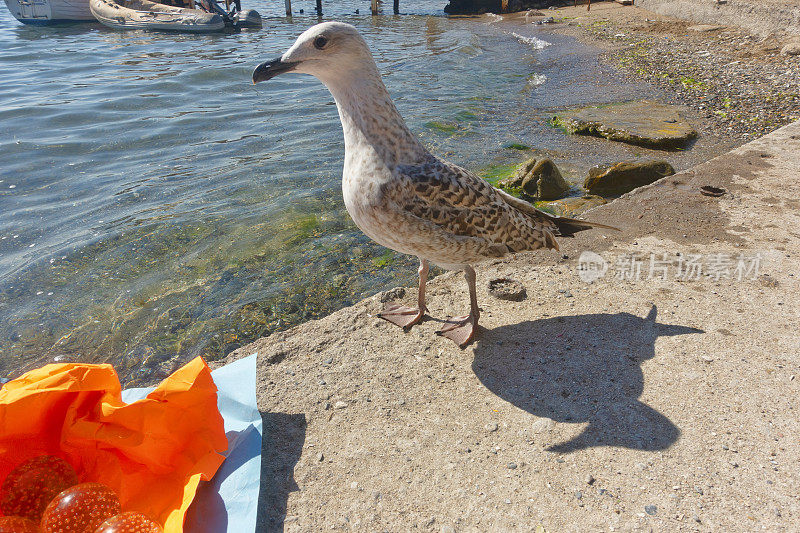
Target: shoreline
[
  {"x": 739, "y": 82},
  {"x": 627, "y": 403}
]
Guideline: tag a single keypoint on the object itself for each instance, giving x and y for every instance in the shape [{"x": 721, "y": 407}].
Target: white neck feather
[{"x": 370, "y": 120}]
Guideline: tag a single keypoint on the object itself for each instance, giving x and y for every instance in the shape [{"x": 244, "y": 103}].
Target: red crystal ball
[
  {"x": 17, "y": 524},
  {"x": 130, "y": 522},
  {"x": 80, "y": 509},
  {"x": 29, "y": 487}
]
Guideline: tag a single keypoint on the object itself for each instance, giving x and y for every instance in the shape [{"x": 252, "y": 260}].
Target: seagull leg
[
  {"x": 462, "y": 329},
  {"x": 403, "y": 316}
]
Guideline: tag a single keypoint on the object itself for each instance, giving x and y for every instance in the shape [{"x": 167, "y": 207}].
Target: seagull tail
[{"x": 567, "y": 227}]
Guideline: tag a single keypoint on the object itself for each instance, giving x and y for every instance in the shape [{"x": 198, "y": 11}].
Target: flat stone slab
[{"x": 643, "y": 123}]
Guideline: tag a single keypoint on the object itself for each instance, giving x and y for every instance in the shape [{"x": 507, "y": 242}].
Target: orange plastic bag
[{"x": 152, "y": 452}]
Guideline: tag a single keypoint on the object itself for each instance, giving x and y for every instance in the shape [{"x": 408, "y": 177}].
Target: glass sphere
[
  {"x": 130, "y": 522},
  {"x": 80, "y": 509},
  {"x": 17, "y": 524},
  {"x": 28, "y": 488}
]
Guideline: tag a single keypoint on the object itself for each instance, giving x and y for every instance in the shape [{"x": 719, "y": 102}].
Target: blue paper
[{"x": 228, "y": 502}]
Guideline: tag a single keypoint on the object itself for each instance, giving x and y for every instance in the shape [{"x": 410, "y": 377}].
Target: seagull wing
[{"x": 458, "y": 203}]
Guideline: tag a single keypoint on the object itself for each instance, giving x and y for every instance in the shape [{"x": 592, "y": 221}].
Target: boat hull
[
  {"x": 47, "y": 12},
  {"x": 145, "y": 15}
]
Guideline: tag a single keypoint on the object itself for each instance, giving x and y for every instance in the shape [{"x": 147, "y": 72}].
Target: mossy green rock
[
  {"x": 643, "y": 123},
  {"x": 625, "y": 176},
  {"x": 537, "y": 180},
  {"x": 571, "y": 207}
]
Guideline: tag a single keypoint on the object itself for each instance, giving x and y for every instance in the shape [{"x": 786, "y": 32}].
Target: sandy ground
[{"x": 629, "y": 403}]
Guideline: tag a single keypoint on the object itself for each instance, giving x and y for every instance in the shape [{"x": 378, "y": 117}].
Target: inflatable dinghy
[{"x": 146, "y": 15}]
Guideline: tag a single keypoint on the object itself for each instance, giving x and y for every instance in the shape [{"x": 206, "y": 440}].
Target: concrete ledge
[{"x": 632, "y": 402}]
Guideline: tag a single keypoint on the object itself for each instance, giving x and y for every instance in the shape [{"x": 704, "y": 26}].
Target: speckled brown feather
[{"x": 464, "y": 205}]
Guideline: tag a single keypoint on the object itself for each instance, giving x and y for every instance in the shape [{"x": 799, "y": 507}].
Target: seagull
[{"x": 402, "y": 196}]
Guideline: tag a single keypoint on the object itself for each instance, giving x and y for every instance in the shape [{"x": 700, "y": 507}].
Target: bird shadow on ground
[
  {"x": 583, "y": 368},
  {"x": 281, "y": 447}
]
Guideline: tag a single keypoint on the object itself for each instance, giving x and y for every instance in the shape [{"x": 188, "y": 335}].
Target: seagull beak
[{"x": 270, "y": 69}]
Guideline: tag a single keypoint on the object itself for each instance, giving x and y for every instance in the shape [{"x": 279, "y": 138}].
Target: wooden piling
[
  {"x": 396, "y": 7},
  {"x": 374, "y": 7},
  {"x": 319, "y": 8},
  {"x": 288, "y": 4}
]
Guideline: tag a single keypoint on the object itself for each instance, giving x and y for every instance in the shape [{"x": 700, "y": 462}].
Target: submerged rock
[
  {"x": 623, "y": 177},
  {"x": 643, "y": 123},
  {"x": 537, "y": 179},
  {"x": 571, "y": 207}
]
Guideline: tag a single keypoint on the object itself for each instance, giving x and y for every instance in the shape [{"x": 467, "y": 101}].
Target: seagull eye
[{"x": 320, "y": 42}]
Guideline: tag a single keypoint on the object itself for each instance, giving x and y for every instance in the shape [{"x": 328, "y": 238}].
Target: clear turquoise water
[{"x": 155, "y": 205}]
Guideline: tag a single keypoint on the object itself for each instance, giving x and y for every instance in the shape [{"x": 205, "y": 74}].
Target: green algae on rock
[
  {"x": 536, "y": 180},
  {"x": 444, "y": 127},
  {"x": 460, "y": 123},
  {"x": 496, "y": 173},
  {"x": 625, "y": 176},
  {"x": 516, "y": 146},
  {"x": 642, "y": 123}
]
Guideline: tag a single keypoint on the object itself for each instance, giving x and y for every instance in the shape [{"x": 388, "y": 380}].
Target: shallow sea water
[{"x": 155, "y": 205}]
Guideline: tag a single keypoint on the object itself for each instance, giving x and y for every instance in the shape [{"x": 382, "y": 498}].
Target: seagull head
[{"x": 328, "y": 51}]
